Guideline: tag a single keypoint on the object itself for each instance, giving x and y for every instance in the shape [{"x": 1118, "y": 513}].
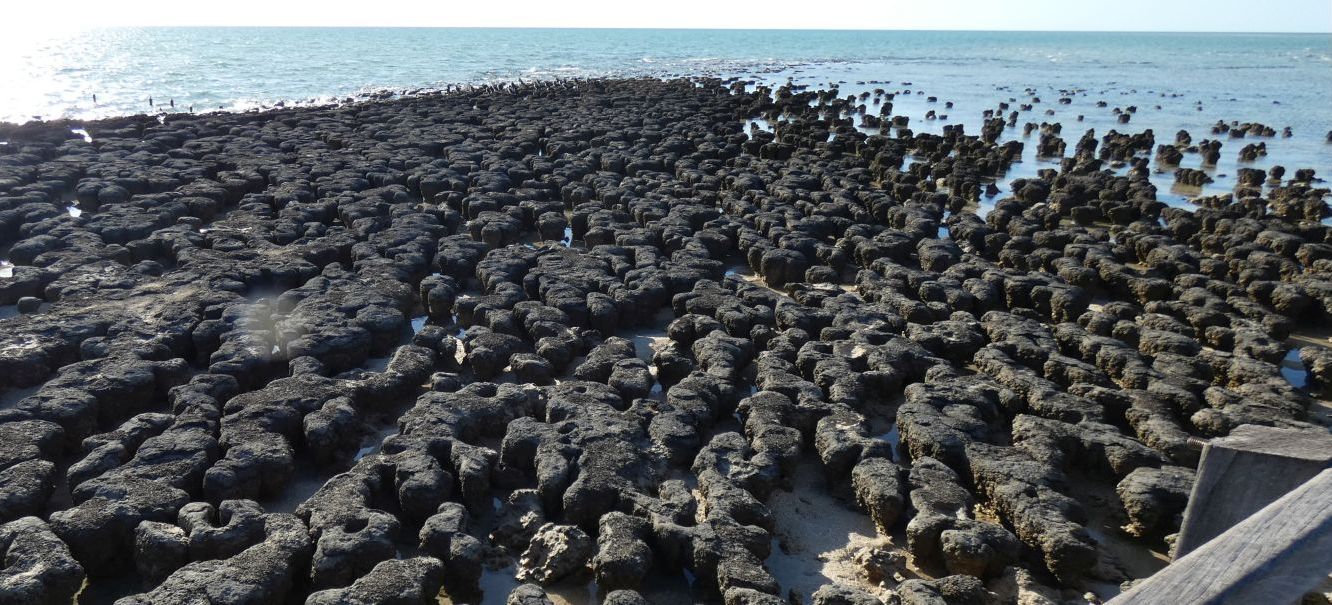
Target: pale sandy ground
[
  {"x": 1122, "y": 557},
  {"x": 818, "y": 536},
  {"x": 648, "y": 338}
]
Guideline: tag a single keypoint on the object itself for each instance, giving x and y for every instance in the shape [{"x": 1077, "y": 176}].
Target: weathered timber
[
  {"x": 1275, "y": 556},
  {"x": 1243, "y": 472}
]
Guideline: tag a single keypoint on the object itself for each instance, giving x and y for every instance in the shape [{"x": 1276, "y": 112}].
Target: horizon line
[{"x": 720, "y": 29}]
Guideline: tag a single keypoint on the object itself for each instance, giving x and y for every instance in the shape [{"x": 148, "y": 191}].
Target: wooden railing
[
  {"x": 1258, "y": 528},
  {"x": 1275, "y": 556}
]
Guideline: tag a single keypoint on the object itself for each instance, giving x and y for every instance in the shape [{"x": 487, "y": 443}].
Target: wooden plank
[
  {"x": 1245, "y": 471},
  {"x": 1275, "y": 556},
  {"x": 1312, "y": 445}
]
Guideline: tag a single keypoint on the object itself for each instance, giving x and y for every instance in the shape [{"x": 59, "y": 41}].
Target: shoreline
[{"x": 1046, "y": 59}]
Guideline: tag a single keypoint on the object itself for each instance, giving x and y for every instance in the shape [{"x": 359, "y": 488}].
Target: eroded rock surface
[{"x": 585, "y": 331}]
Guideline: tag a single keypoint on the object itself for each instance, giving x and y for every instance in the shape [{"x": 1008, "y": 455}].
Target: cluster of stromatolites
[{"x": 199, "y": 366}]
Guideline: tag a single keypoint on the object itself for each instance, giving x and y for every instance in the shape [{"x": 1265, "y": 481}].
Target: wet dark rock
[
  {"x": 28, "y": 440},
  {"x": 879, "y": 489},
  {"x": 623, "y": 556},
  {"x": 1154, "y": 499},
  {"x": 1093, "y": 446},
  {"x": 463, "y": 567},
  {"x": 1318, "y": 361},
  {"x": 1191, "y": 177},
  {"x": 833, "y": 594},
  {"x": 1025, "y": 492},
  {"x": 949, "y": 590},
  {"x": 38, "y": 567},
  {"x": 944, "y": 535},
  {"x": 28, "y": 304},
  {"x": 528, "y": 594},
  {"x": 782, "y": 266},
  {"x": 842, "y": 441},
  {"x": 222, "y": 532},
  {"x": 249, "y": 302},
  {"x": 159, "y": 550},
  {"x": 532, "y": 368},
  {"x": 488, "y": 353},
  {"x": 346, "y": 551},
  {"x": 414, "y": 581},
  {"x": 261, "y": 573},
  {"x": 672, "y": 362},
  {"x": 258, "y": 431},
  {"x": 631, "y": 378},
  {"x": 624, "y": 597},
  {"x": 25, "y": 488},
  {"x": 100, "y": 530},
  {"x": 954, "y": 340},
  {"x": 438, "y": 531}
]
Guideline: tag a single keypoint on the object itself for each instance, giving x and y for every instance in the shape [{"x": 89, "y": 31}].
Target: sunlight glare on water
[{"x": 1176, "y": 81}]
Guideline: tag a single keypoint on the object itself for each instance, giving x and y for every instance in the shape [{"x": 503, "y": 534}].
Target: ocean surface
[{"x": 1176, "y": 81}]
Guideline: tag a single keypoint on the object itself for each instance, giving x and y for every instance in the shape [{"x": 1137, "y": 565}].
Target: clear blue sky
[{"x": 1115, "y": 15}]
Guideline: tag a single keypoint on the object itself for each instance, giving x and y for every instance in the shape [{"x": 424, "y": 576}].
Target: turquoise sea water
[
  {"x": 1278, "y": 79},
  {"x": 243, "y": 67}
]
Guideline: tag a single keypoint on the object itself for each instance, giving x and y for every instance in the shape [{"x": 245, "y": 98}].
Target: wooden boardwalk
[{"x": 1275, "y": 557}]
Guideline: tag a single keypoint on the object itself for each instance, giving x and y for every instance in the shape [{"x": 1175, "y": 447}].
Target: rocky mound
[{"x": 363, "y": 354}]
